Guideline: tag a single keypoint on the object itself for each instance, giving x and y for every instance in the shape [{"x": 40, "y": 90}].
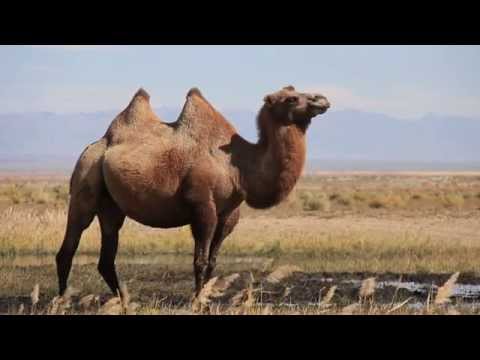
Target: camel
[{"x": 195, "y": 171}]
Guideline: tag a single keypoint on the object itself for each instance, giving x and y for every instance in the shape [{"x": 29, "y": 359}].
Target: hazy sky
[{"x": 404, "y": 81}]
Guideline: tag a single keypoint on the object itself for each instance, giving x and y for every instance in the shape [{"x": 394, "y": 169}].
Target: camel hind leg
[
  {"x": 86, "y": 188},
  {"x": 80, "y": 215},
  {"x": 111, "y": 219}
]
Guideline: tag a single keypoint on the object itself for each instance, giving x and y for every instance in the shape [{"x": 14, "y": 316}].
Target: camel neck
[{"x": 275, "y": 163}]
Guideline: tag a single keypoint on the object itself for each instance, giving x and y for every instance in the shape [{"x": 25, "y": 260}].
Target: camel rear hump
[{"x": 201, "y": 121}]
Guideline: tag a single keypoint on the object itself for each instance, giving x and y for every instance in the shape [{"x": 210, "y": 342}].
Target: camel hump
[
  {"x": 142, "y": 94},
  {"x": 194, "y": 91},
  {"x": 138, "y": 109}
]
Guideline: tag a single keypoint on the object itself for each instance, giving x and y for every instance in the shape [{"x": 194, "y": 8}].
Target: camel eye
[{"x": 292, "y": 99}]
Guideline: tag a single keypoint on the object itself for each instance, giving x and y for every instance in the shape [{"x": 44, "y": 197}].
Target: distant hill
[{"x": 339, "y": 140}]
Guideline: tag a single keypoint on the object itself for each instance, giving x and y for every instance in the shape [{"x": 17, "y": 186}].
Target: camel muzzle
[{"x": 319, "y": 105}]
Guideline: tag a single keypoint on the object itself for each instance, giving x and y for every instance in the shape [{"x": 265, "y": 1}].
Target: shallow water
[{"x": 465, "y": 291}]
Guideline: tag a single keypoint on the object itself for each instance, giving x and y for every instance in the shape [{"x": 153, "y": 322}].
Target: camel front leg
[
  {"x": 225, "y": 226},
  {"x": 203, "y": 227}
]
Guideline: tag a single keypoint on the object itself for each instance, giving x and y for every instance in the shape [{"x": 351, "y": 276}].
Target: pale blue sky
[{"x": 404, "y": 81}]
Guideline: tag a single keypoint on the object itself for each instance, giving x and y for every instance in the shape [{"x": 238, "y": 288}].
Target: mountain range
[{"x": 338, "y": 140}]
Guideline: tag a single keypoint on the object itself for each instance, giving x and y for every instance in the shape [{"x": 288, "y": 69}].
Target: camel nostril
[
  {"x": 318, "y": 98},
  {"x": 323, "y": 102}
]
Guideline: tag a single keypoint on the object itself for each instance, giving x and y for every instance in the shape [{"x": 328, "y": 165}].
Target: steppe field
[{"x": 343, "y": 243}]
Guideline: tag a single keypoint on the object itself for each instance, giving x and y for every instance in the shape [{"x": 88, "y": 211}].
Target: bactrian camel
[{"x": 195, "y": 171}]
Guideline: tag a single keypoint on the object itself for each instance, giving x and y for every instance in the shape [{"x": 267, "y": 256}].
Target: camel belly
[{"x": 145, "y": 189}]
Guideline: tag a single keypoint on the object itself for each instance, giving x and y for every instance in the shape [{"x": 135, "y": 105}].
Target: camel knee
[{"x": 201, "y": 264}]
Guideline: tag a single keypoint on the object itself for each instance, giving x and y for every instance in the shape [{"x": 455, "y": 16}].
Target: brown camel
[{"x": 195, "y": 171}]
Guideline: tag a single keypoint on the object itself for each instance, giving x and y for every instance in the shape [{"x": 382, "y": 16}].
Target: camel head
[{"x": 292, "y": 107}]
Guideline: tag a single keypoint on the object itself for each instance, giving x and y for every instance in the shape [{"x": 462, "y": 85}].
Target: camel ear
[
  {"x": 289, "y": 87},
  {"x": 268, "y": 100}
]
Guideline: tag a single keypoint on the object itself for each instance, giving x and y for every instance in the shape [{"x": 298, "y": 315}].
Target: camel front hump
[{"x": 145, "y": 186}]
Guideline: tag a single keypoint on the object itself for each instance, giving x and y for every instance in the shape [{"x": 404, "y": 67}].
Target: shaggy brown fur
[{"x": 195, "y": 171}]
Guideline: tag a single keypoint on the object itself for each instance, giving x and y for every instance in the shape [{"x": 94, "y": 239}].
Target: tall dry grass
[
  {"x": 243, "y": 300},
  {"x": 318, "y": 244}
]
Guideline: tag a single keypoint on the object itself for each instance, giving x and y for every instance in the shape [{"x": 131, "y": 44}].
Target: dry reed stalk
[
  {"x": 398, "y": 306},
  {"x": 223, "y": 284},
  {"x": 328, "y": 297},
  {"x": 367, "y": 289},
  {"x": 244, "y": 299},
  {"x": 214, "y": 288},
  {"x": 281, "y": 273},
  {"x": 250, "y": 299},
  {"x": 396, "y": 291},
  {"x": 203, "y": 298},
  {"x": 429, "y": 297},
  {"x": 35, "y": 294},
  {"x": 21, "y": 309},
  {"x": 446, "y": 290},
  {"x": 286, "y": 292},
  {"x": 124, "y": 295}
]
